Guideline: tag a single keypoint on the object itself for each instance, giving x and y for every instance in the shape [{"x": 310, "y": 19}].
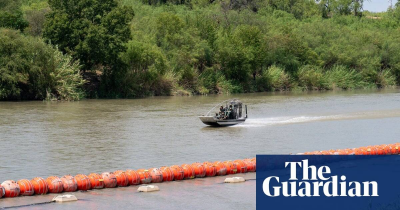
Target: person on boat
[
  {"x": 231, "y": 113},
  {"x": 221, "y": 109}
]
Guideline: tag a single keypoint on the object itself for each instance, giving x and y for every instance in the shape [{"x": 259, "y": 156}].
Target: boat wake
[
  {"x": 286, "y": 120},
  {"x": 259, "y": 122}
]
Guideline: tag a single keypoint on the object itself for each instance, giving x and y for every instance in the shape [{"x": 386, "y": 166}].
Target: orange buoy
[
  {"x": 122, "y": 179},
  {"x": 395, "y": 149},
  {"x": 2, "y": 191},
  {"x": 189, "y": 172},
  {"x": 69, "y": 183},
  {"x": 167, "y": 174},
  {"x": 156, "y": 175},
  {"x": 110, "y": 180},
  {"x": 83, "y": 182},
  {"x": 144, "y": 175},
  {"x": 199, "y": 170},
  {"x": 54, "y": 184},
  {"x": 211, "y": 170},
  {"x": 26, "y": 187},
  {"x": 358, "y": 151},
  {"x": 231, "y": 167},
  {"x": 379, "y": 149},
  {"x": 388, "y": 149},
  {"x": 251, "y": 167},
  {"x": 133, "y": 177},
  {"x": 40, "y": 186},
  {"x": 179, "y": 174},
  {"x": 11, "y": 188},
  {"x": 221, "y": 168},
  {"x": 96, "y": 181},
  {"x": 241, "y": 166}
]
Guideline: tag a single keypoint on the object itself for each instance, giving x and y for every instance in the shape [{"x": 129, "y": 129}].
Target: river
[{"x": 57, "y": 138}]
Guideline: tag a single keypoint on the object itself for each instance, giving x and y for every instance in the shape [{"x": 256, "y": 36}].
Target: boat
[{"x": 231, "y": 115}]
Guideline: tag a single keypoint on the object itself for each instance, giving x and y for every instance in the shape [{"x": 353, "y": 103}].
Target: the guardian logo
[{"x": 316, "y": 181}]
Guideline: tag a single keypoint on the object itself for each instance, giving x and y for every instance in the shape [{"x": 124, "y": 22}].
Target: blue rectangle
[{"x": 362, "y": 182}]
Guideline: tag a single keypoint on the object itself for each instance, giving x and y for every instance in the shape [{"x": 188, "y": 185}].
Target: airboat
[{"x": 228, "y": 115}]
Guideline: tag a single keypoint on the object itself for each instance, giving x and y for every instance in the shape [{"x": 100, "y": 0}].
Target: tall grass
[
  {"x": 277, "y": 78},
  {"x": 344, "y": 78},
  {"x": 312, "y": 78}
]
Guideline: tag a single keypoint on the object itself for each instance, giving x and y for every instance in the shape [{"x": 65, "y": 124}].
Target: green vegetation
[
  {"x": 31, "y": 69},
  {"x": 136, "y": 48}
]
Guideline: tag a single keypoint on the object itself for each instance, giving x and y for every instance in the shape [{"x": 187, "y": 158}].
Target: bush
[
  {"x": 146, "y": 71},
  {"x": 311, "y": 78},
  {"x": 277, "y": 78},
  {"x": 342, "y": 77},
  {"x": 66, "y": 78},
  {"x": 386, "y": 78},
  {"x": 36, "y": 19},
  {"x": 31, "y": 69},
  {"x": 11, "y": 15}
]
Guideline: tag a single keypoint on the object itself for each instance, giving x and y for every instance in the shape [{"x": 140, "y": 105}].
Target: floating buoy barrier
[
  {"x": 221, "y": 168},
  {"x": 83, "y": 182},
  {"x": 231, "y": 167},
  {"x": 25, "y": 187},
  {"x": 156, "y": 175},
  {"x": 167, "y": 174},
  {"x": 199, "y": 170},
  {"x": 2, "y": 191},
  {"x": 68, "y": 183},
  {"x": 133, "y": 177},
  {"x": 188, "y": 171},
  {"x": 109, "y": 179},
  {"x": 39, "y": 186},
  {"x": 241, "y": 166},
  {"x": 211, "y": 170},
  {"x": 178, "y": 171},
  {"x": 11, "y": 188},
  {"x": 144, "y": 175},
  {"x": 54, "y": 184},
  {"x": 122, "y": 179},
  {"x": 251, "y": 166},
  {"x": 96, "y": 181}
]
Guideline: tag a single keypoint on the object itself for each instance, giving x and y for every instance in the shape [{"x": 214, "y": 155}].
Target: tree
[
  {"x": 31, "y": 69},
  {"x": 11, "y": 15},
  {"x": 93, "y": 31}
]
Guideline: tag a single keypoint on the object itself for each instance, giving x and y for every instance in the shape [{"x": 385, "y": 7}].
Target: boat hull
[{"x": 211, "y": 121}]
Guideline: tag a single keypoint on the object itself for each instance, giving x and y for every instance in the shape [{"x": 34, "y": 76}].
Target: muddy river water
[{"x": 57, "y": 138}]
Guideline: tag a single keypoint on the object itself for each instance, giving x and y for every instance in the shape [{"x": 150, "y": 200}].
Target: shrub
[
  {"x": 311, "y": 78},
  {"x": 342, "y": 77},
  {"x": 277, "y": 78},
  {"x": 386, "y": 78},
  {"x": 31, "y": 69}
]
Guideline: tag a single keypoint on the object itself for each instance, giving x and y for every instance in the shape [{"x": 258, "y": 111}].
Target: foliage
[
  {"x": 93, "y": 31},
  {"x": 206, "y": 46},
  {"x": 11, "y": 15},
  {"x": 277, "y": 78},
  {"x": 311, "y": 78},
  {"x": 31, "y": 69}
]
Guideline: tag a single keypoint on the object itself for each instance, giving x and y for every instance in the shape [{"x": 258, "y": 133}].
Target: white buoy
[
  {"x": 65, "y": 198},
  {"x": 234, "y": 180},
  {"x": 148, "y": 188}
]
